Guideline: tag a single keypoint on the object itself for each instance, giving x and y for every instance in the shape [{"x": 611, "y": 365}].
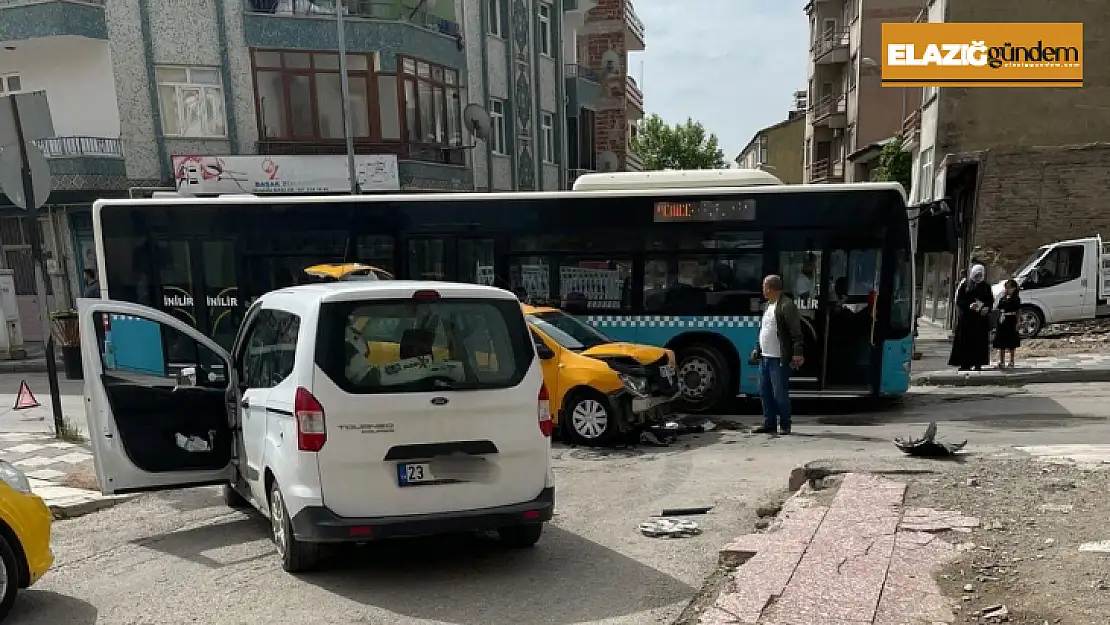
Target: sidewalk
[
  {"x": 1045, "y": 370},
  {"x": 861, "y": 559}
]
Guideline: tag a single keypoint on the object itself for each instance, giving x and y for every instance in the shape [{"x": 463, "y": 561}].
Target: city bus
[{"x": 674, "y": 259}]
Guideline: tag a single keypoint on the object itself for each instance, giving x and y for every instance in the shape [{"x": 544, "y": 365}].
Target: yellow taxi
[
  {"x": 347, "y": 271},
  {"x": 25, "y": 521},
  {"x": 600, "y": 388}
]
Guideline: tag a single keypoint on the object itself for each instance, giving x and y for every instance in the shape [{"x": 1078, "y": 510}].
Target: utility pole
[
  {"x": 345, "y": 89},
  {"x": 33, "y": 231}
]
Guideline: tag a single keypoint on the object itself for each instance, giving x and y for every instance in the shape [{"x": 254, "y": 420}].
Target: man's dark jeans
[{"x": 774, "y": 392}]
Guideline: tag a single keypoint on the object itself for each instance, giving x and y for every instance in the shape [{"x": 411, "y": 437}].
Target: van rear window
[{"x": 398, "y": 346}]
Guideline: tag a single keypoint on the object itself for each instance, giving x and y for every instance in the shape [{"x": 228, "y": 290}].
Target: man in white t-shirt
[{"x": 778, "y": 351}]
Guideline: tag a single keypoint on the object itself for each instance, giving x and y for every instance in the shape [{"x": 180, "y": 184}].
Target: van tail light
[
  {"x": 543, "y": 410},
  {"x": 426, "y": 295},
  {"x": 311, "y": 432}
]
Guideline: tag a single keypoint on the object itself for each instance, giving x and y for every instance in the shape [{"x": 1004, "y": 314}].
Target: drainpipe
[{"x": 484, "y": 23}]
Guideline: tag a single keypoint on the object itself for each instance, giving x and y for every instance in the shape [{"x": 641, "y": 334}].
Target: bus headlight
[{"x": 635, "y": 385}]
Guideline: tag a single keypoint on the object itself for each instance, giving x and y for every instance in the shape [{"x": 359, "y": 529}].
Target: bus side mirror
[{"x": 544, "y": 352}]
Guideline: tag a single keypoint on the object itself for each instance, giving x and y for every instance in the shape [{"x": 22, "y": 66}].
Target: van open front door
[{"x": 160, "y": 422}]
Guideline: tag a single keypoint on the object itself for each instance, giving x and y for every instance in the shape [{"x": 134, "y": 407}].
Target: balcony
[
  {"x": 825, "y": 170},
  {"x": 831, "y": 48},
  {"x": 830, "y": 111},
  {"x": 432, "y": 34},
  {"x": 21, "y": 20},
  {"x": 635, "y": 99},
  {"x": 85, "y": 163},
  {"x": 583, "y": 88},
  {"x": 574, "y": 174},
  {"x": 911, "y": 130},
  {"x": 632, "y": 161},
  {"x": 634, "y": 29}
]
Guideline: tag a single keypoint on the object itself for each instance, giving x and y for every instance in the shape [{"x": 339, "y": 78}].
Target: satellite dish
[
  {"x": 607, "y": 162},
  {"x": 477, "y": 120},
  {"x": 610, "y": 63}
]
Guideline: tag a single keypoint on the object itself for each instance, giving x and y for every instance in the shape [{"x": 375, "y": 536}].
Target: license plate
[{"x": 414, "y": 473}]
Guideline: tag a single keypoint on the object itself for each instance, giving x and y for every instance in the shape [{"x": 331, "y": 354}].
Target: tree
[
  {"x": 682, "y": 146},
  {"x": 895, "y": 165}
]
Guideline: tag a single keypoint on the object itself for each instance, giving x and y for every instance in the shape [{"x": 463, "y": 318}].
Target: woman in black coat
[
  {"x": 1006, "y": 337},
  {"x": 971, "y": 344}
]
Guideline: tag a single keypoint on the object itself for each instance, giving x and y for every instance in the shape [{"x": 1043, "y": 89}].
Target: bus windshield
[{"x": 568, "y": 331}]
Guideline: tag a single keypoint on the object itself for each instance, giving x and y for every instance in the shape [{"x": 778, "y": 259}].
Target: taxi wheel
[
  {"x": 589, "y": 419},
  {"x": 9, "y": 578}
]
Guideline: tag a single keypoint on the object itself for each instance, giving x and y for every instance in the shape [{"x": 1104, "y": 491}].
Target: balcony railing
[
  {"x": 830, "y": 105},
  {"x": 633, "y": 161},
  {"x": 571, "y": 70},
  {"x": 62, "y": 147},
  {"x": 445, "y": 155},
  {"x": 825, "y": 170},
  {"x": 574, "y": 174},
  {"x": 393, "y": 11},
  {"x": 634, "y": 94},
  {"x": 633, "y": 20},
  {"x": 912, "y": 123},
  {"x": 829, "y": 40}
]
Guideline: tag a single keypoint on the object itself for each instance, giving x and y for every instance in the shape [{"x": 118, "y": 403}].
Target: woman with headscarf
[{"x": 971, "y": 344}]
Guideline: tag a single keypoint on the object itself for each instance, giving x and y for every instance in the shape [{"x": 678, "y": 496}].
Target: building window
[
  {"x": 547, "y": 137},
  {"x": 853, "y": 71},
  {"x": 191, "y": 100},
  {"x": 545, "y": 29},
  {"x": 498, "y": 140},
  {"x": 10, "y": 83},
  {"x": 762, "y": 151},
  {"x": 496, "y": 18},
  {"x": 299, "y": 96},
  {"x": 926, "y": 176},
  {"x": 433, "y": 113}
]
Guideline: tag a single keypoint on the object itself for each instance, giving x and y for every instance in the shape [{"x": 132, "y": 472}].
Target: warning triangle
[{"x": 25, "y": 399}]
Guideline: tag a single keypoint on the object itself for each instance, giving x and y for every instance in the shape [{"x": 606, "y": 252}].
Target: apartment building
[
  {"x": 603, "y": 100},
  {"x": 778, "y": 148},
  {"x": 213, "y": 97},
  {"x": 1019, "y": 166},
  {"x": 850, "y": 114}
]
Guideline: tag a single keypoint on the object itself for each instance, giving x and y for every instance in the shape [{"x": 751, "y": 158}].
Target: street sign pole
[{"x": 32, "y": 230}]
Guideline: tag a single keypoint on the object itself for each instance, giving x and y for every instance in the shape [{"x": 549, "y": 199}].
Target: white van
[{"x": 345, "y": 412}]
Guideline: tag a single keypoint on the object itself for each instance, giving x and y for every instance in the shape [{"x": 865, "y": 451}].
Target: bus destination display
[{"x": 705, "y": 210}]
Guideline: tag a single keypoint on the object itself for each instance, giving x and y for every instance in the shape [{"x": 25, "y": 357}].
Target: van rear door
[{"x": 430, "y": 404}]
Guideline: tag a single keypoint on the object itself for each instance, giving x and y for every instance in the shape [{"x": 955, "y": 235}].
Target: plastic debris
[
  {"x": 669, "y": 528},
  {"x": 685, "y": 511},
  {"x": 195, "y": 444},
  {"x": 927, "y": 446}
]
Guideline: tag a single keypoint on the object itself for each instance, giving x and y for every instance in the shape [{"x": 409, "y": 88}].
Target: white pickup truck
[{"x": 1062, "y": 281}]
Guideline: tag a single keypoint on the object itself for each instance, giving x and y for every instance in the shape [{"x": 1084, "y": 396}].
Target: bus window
[
  {"x": 703, "y": 284},
  {"x": 901, "y": 318},
  {"x": 475, "y": 261},
  {"x": 532, "y": 274},
  {"x": 175, "y": 274},
  {"x": 426, "y": 260},
  {"x": 801, "y": 271},
  {"x": 595, "y": 284},
  {"x": 376, "y": 250}
]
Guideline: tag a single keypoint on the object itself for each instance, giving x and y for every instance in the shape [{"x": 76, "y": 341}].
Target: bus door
[
  {"x": 852, "y": 270},
  {"x": 456, "y": 258},
  {"x": 800, "y": 265}
]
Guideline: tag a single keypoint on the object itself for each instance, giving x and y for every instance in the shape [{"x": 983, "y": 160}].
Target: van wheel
[
  {"x": 521, "y": 536},
  {"x": 1030, "y": 322},
  {"x": 296, "y": 556},
  {"x": 703, "y": 378},
  {"x": 589, "y": 419},
  {"x": 232, "y": 498},
  {"x": 9, "y": 578}
]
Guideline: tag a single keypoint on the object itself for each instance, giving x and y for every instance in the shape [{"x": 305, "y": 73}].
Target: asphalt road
[{"x": 181, "y": 557}]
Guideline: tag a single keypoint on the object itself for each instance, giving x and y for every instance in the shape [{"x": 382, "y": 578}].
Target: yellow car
[
  {"x": 347, "y": 271},
  {"x": 601, "y": 389},
  {"x": 25, "y": 521}
]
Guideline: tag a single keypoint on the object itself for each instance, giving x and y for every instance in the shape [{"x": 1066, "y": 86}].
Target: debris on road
[
  {"x": 996, "y": 612},
  {"x": 669, "y": 528},
  {"x": 685, "y": 511},
  {"x": 927, "y": 446},
  {"x": 1102, "y": 546}
]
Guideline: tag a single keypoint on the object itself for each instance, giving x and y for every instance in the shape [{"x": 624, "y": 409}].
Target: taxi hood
[{"x": 642, "y": 354}]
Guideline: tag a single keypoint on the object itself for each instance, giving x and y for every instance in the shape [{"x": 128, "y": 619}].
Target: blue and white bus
[{"x": 672, "y": 258}]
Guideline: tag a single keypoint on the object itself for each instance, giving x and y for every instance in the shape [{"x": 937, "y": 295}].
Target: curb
[
  {"x": 95, "y": 503},
  {"x": 1052, "y": 376},
  {"x": 24, "y": 366}
]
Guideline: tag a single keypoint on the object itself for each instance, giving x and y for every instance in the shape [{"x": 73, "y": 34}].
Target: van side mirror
[{"x": 543, "y": 351}]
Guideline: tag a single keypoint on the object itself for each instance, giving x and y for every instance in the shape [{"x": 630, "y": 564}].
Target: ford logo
[{"x": 440, "y": 401}]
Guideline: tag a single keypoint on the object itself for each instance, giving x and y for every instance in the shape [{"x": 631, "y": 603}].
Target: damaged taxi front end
[{"x": 603, "y": 389}]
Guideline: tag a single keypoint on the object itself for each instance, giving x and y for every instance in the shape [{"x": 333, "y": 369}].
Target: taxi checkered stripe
[{"x": 659, "y": 321}]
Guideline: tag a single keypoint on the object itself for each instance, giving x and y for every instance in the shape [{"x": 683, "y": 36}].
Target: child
[{"x": 1006, "y": 337}]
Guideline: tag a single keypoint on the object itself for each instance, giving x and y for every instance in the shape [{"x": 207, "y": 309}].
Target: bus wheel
[
  {"x": 589, "y": 419},
  {"x": 703, "y": 378},
  {"x": 1030, "y": 322}
]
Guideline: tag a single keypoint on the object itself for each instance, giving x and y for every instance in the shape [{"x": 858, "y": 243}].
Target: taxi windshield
[{"x": 567, "y": 330}]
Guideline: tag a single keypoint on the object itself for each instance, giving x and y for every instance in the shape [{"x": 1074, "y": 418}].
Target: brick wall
[
  {"x": 1033, "y": 196},
  {"x": 604, "y": 31}
]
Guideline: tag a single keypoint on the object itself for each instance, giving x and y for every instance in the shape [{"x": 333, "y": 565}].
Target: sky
[{"x": 733, "y": 65}]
